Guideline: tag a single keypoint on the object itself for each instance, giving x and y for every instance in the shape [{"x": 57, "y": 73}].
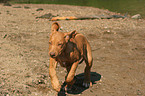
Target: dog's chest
[{"x": 68, "y": 58}]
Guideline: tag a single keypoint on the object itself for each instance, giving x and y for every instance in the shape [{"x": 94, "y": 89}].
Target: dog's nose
[{"x": 52, "y": 54}]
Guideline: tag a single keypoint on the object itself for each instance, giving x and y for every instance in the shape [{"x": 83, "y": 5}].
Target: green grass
[{"x": 122, "y": 6}]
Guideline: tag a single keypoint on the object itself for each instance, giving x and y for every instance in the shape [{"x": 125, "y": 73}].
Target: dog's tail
[{"x": 55, "y": 27}]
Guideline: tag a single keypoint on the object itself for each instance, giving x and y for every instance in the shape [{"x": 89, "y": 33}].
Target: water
[{"x": 131, "y": 7}]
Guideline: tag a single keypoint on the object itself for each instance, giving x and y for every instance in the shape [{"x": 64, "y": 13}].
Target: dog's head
[{"x": 58, "y": 40}]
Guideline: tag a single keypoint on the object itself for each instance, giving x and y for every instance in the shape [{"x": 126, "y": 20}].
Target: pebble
[
  {"x": 39, "y": 9},
  {"x": 26, "y": 7},
  {"x": 7, "y": 4},
  {"x": 17, "y": 7},
  {"x": 137, "y": 16}
]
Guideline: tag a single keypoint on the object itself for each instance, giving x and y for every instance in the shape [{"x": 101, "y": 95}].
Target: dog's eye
[
  {"x": 50, "y": 43},
  {"x": 59, "y": 44}
]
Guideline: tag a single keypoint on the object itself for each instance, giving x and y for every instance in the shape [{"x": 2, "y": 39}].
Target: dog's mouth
[{"x": 53, "y": 56}]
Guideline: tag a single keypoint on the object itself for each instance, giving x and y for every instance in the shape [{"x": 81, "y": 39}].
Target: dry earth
[{"x": 118, "y": 47}]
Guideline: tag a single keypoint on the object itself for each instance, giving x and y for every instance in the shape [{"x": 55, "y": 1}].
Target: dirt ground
[{"x": 118, "y": 47}]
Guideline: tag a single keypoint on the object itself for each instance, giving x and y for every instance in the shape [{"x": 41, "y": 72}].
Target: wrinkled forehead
[{"x": 57, "y": 37}]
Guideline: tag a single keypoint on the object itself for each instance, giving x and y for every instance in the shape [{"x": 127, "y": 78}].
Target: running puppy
[{"x": 68, "y": 49}]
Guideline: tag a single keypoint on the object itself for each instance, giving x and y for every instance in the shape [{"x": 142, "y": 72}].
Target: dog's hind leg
[{"x": 88, "y": 60}]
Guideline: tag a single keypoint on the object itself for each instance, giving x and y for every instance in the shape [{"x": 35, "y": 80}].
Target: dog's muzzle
[{"x": 52, "y": 54}]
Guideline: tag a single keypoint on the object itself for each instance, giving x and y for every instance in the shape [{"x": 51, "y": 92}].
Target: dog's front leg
[
  {"x": 53, "y": 76},
  {"x": 71, "y": 73}
]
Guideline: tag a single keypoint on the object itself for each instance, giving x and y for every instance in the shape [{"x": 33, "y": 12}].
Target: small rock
[
  {"x": 5, "y": 36},
  {"x": 137, "y": 16},
  {"x": 39, "y": 9},
  {"x": 46, "y": 16},
  {"x": 139, "y": 92},
  {"x": 7, "y": 4},
  {"x": 91, "y": 91},
  {"x": 26, "y": 7},
  {"x": 17, "y": 7}
]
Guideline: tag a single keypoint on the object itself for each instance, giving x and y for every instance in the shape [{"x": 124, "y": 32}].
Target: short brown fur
[{"x": 68, "y": 49}]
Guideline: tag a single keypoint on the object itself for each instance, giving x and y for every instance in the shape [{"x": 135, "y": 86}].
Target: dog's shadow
[{"x": 77, "y": 88}]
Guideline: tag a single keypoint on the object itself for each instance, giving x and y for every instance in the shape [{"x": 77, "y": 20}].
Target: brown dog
[{"x": 68, "y": 49}]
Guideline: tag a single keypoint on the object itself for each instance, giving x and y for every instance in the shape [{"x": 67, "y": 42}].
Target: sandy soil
[{"x": 118, "y": 47}]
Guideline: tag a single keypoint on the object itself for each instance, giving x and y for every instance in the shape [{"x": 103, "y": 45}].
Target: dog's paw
[
  {"x": 67, "y": 88},
  {"x": 87, "y": 84},
  {"x": 58, "y": 88}
]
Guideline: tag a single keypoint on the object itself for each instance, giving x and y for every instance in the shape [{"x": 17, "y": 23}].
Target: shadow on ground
[{"x": 77, "y": 88}]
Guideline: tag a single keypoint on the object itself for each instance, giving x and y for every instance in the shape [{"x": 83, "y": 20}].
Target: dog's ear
[
  {"x": 70, "y": 35},
  {"x": 55, "y": 27}
]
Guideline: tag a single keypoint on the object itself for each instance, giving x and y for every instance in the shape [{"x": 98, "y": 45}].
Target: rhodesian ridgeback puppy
[{"x": 68, "y": 49}]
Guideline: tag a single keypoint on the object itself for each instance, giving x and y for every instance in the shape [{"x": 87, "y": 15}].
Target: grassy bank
[
  {"x": 131, "y": 7},
  {"x": 39, "y": 1}
]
